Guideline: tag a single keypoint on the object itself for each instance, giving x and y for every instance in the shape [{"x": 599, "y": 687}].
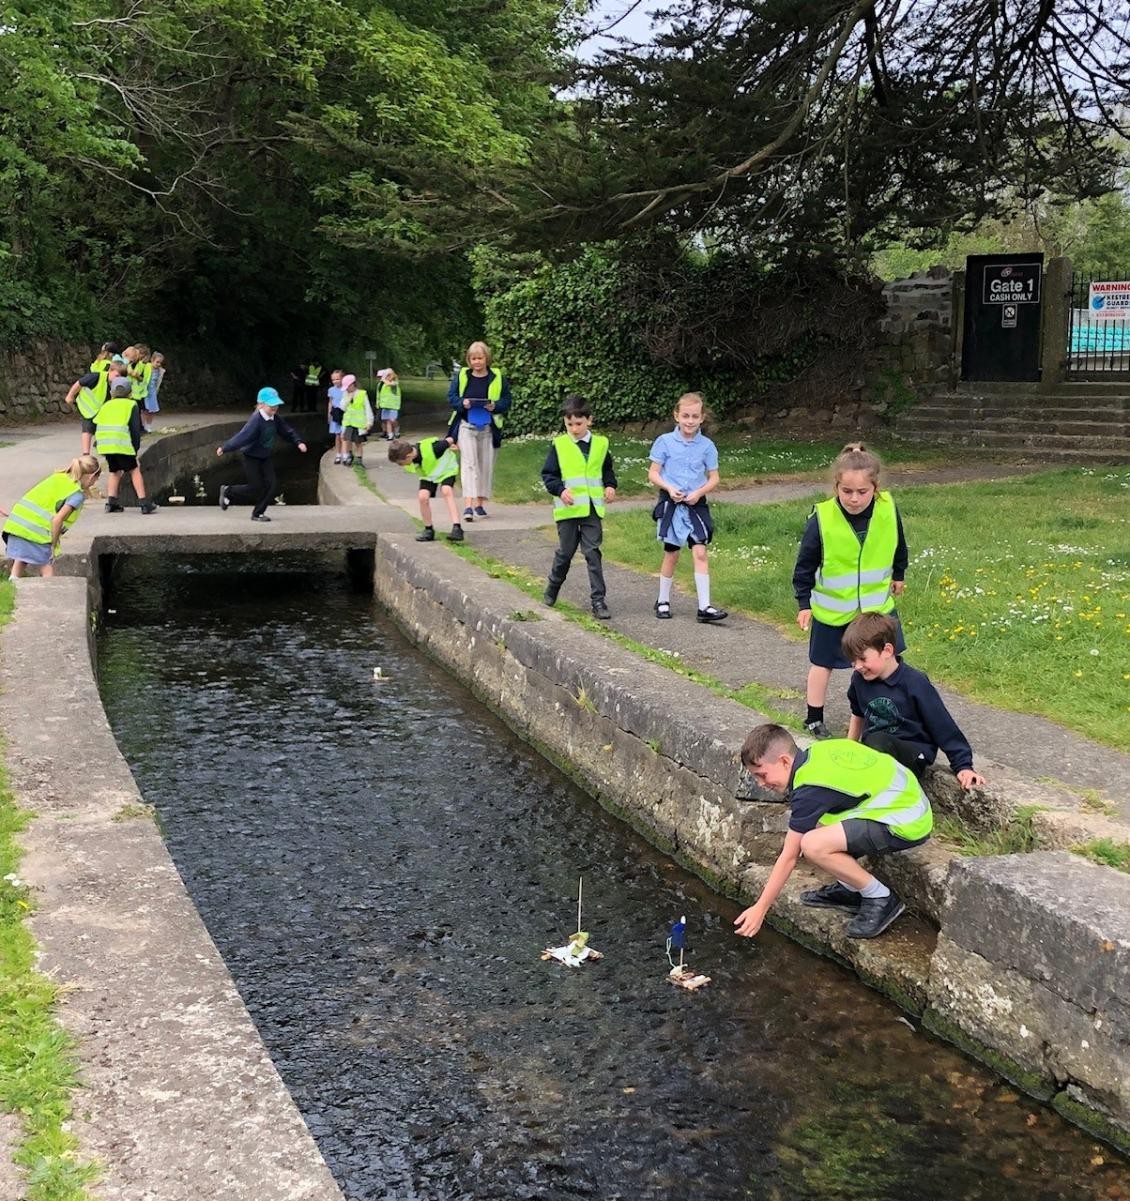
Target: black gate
[
  {"x": 1001, "y": 332},
  {"x": 1098, "y": 333}
]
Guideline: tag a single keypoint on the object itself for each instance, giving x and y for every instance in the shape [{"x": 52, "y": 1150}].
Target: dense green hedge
[{"x": 593, "y": 326}]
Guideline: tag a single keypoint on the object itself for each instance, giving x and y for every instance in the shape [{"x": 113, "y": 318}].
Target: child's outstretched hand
[
  {"x": 968, "y": 778},
  {"x": 748, "y": 922},
  {"x": 804, "y": 618},
  {"x": 609, "y": 495}
]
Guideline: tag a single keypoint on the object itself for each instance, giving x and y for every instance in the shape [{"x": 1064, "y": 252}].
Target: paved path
[{"x": 742, "y": 651}]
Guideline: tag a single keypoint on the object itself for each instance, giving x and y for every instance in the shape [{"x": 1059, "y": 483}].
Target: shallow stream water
[{"x": 380, "y": 866}]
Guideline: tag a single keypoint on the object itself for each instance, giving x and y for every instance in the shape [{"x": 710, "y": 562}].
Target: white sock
[
  {"x": 849, "y": 887},
  {"x": 702, "y": 587},
  {"x": 875, "y": 891},
  {"x": 665, "y": 589}
]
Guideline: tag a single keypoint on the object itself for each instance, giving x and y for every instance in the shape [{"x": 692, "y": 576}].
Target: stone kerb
[{"x": 1034, "y": 964}]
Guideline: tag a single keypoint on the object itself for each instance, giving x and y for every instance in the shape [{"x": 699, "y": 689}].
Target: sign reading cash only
[{"x": 1012, "y": 283}]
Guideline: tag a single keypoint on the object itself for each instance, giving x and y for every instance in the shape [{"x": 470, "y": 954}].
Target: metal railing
[{"x": 1096, "y": 343}]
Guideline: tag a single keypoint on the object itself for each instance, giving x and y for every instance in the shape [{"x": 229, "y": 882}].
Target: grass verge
[
  {"x": 1106, "y": 851},
  {"x": 742, "y": 458},
  {"x": 37, "y": 1063},
  {"x": 753, "y": 696},
  {"x": 1019, "y": 837},
  {"x": 1018, "y": 591}
]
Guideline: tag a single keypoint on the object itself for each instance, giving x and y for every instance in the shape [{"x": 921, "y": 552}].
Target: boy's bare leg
[
  {"x": 113, "y": 484},
  {"x": 817, "y": 687},
  {"x": 87, "y": 439},
  {"x": 827, "y": 848},
  {"x": 135, "y": 478},
  {"x": 425, "y": 506}
]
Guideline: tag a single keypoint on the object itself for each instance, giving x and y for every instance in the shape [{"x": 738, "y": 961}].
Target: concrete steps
[{"x": 1085, "y": 422}]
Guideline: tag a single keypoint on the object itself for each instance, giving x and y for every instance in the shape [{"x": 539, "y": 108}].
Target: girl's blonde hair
[
  {"x": 479, "y": 346},
  {"x": 693, "y": 398},
  {"x": 155, "y": 356},
  {"x": 83, "y": 465},
  {"x": 856, "y": 457}
]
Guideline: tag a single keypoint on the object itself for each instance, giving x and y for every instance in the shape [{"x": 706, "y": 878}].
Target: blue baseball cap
[{"x": 268, "y": 396}]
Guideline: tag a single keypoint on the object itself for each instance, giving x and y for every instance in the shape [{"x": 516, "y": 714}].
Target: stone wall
[{"x": 35, "y": 378}]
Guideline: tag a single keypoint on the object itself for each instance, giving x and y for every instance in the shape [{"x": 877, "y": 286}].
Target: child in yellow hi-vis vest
[
  {"x": 436, "y": 462},
  {"x": 852, "y": 560},
  {"x": 845, "y": 801},
  {"x": 356, "y": 421},
  {"x": 579, "y": 475}
]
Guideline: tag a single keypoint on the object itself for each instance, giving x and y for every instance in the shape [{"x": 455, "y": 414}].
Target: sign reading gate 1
[
  {"x": 1109, "y": 300},
  {"x": 1012, "y": 283}
]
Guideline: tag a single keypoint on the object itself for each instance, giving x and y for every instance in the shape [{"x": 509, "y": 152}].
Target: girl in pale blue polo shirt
[{"x": 684, "y": 467}]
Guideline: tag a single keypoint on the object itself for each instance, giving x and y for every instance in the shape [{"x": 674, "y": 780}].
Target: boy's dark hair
[
  {"x": 400, "y": 451},
  {"x": 576, "y": 406},
  {"x": 762, "y": 741},
  {"x": 111, "y": 348},
  {"x": 868, "y": 631}
]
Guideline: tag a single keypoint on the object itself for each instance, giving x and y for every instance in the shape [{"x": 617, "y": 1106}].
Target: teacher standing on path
[{"x": 479, "y": 395}]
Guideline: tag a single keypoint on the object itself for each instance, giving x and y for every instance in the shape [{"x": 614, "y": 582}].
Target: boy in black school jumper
[
  {"x": 845, "y": 801},
  {"x": 579, "y": 475},
  {"x": 895, "y": 708},
  {"x": 436, "y": 462}
]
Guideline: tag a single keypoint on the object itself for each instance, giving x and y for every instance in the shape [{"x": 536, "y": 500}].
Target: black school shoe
[
  {"x": 456, "y": 534},
  {"x": 663, "y": 610},
  {"x": 147, "y": 507},
  {"x": 875, "y": 915},
  {"x": 549, "y": 596},
  {"x": 426, "y": 535},
  {"x": 710, "y": 614},
  {"x": 114, "y": 505},
  {"x": 832, "y": 896},
  {"x": 259, "y": 517},
  {"x": 601, "y": 611}
]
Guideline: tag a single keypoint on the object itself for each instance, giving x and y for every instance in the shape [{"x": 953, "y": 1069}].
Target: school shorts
[
  {"x": 431, "y": 487},
  {"x": 120, "y": 462},
  {"x": 824, "y": 649},
  {"x": 357, "y": 436},
  {"x": 873, "y": 838},
  {"x": 670, "y": 546},
  {"x": 86, "y": 425}
]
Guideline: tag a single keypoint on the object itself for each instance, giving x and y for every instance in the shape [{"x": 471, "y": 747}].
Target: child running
[
  {"x": 357, "y": 419},
  {"x": 852, "y": 560},
  {"x": 684, "y": 466},
  {"x": 43, "y": 515},
  {"x": 435, "y": 461},
  {"x": 256, "y": 440},
  {"x": 845, "y": 801},
  {"x": 894, "y": 707},
  {"x": 388, "y": 401},
  {"x": 334, "y": 414},
  {"x": 579, "y": 475}
]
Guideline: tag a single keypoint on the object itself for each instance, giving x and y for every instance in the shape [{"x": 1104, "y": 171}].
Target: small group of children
[
  {"x": 145, "y": 373},
  {"x": 579, "y": 474},
  {"x": 436, "y": 462},
  {"x": 350, "y": 417}
]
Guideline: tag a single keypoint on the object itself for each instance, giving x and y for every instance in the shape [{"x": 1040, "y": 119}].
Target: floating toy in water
[
  {"x": 174, "y": 500},
  {"x": 577, "y": 950},
  {"x": 379, "y": 676},
  {"x": 680, "y": 974}
]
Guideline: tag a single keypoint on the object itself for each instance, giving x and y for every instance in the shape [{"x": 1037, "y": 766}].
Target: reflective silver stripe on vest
[
  {"x": 834, "y": 603},
  {"x": 890, "y": 794},
  {"x": 877, "y": 575},
  {"x": 30, "y": 504},
  {"x": 15, "y": 519},
  {"x": 580, "y": 481}
]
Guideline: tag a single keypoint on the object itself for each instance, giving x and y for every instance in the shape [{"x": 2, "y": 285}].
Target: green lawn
[
  {"x": 1018, "y": 592},
  {"x": 742, "y": 458},
  {"x": 37, "y": 1072}
]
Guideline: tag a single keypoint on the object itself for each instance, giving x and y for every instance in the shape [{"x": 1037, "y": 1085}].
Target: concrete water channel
[{"x": 379, "y": 866}]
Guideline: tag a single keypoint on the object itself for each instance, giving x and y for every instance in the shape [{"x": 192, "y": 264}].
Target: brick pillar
[{"x": 1056, "y": 321}]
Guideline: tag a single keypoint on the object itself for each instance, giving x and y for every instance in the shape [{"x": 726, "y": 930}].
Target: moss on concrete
[{"x": 1092, "y": 1121}]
